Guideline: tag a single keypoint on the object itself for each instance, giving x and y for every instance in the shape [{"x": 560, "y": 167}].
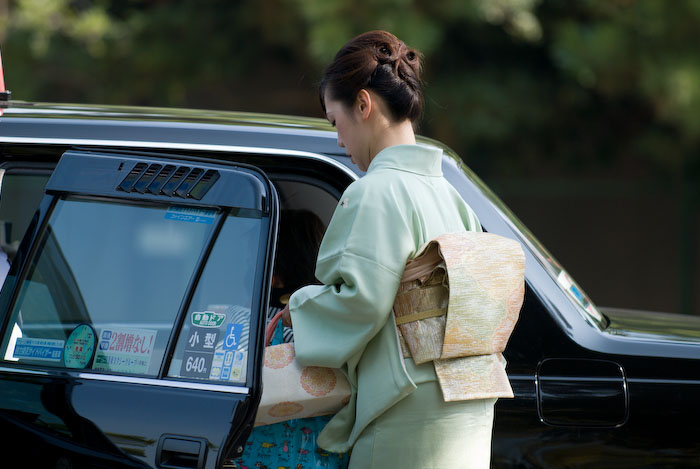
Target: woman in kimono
[{"x": 396, "y": 416}]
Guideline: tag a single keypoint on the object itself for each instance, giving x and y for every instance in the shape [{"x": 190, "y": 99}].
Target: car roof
[
  {"x": 173, "y": 128},
  {"x": 85, "y": 124}
]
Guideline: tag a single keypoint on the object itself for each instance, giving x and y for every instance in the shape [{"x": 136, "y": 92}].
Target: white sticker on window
[
  {"x": 125, "y": 350},
  {"x": 237, "y": 366},
  {"x": 228, "y": 365}
]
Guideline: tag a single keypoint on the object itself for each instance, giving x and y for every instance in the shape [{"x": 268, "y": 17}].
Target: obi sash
[{"x": 457, "y": 305}]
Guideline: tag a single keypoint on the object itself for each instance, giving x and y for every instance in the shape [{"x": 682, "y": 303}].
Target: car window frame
[
  {"x": 263, "y": 263},
  {"x": 22, "y": 168}
]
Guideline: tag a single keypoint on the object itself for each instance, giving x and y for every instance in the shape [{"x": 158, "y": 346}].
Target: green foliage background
[{"x": 543, "y": 98}]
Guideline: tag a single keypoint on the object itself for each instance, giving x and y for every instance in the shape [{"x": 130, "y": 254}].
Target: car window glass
[
  {"x": 213, "y": 343},
  {"x": 583, "y": 303},
  {"x": 105, "y": 285},
  {"x": 20, "y": 196}
]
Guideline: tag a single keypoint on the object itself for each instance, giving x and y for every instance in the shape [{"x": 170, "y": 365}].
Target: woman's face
[{"x": 351, "y": 133}]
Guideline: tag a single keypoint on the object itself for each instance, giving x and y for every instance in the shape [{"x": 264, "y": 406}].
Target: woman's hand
[{"x": 286, "y": 317}]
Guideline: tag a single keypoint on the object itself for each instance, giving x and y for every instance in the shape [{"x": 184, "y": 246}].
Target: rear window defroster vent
[{"x": 170, "y": 180}]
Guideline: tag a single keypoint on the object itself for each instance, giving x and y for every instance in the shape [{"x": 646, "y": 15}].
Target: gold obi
[{"x": 457, "y": 305}]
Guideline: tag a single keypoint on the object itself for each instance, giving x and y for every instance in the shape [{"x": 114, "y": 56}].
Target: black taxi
[{"x": 127, "y": 235}]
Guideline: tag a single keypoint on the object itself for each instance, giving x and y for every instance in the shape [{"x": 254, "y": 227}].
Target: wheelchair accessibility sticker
[{"x": 233, "y": 336}]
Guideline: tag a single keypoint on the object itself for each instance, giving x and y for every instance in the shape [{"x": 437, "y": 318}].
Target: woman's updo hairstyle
[{"x": 377, "y": 61}]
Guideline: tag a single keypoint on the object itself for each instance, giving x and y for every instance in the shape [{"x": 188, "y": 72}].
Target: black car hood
[{"x": 652, "y": 326}]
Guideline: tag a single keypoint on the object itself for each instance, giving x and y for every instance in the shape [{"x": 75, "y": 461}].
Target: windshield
[
  {"x": 574, "y": 292},
  {"x": 564, "y": 280}
]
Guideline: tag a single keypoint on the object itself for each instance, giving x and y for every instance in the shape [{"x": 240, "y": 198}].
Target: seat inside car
[{"x": 297, "y": 195}]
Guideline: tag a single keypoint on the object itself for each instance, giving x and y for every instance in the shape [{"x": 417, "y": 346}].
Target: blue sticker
[
  {"x": 578, "y": 295},
  {"x": 216, "y": 364},
  {"x": 233, "y": 336},
  {"x": 225, "y": 373},
  {"x": 191, "y": 215},
  {"x": 38, "y": 349},
  {"x": 106, "y": 339}
]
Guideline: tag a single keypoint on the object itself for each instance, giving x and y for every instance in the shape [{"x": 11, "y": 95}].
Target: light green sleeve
[{"x": 360, "y": 264}]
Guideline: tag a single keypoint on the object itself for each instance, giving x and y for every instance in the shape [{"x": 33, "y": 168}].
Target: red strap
[{"x": 271, "y": 326}]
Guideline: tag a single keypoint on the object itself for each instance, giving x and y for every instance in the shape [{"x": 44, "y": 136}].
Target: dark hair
[
  {"x": 377, "y": 61},
  {"x": 300, "y": 235}
]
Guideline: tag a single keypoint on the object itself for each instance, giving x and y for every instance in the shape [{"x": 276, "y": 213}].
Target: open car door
[{"x": 133, "y": 314}]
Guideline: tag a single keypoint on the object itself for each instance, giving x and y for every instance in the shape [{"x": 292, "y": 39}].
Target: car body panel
[{"x": 653, "y": 326}]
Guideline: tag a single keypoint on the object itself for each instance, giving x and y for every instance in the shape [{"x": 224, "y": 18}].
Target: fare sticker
[{"x": 124, "y": 350}]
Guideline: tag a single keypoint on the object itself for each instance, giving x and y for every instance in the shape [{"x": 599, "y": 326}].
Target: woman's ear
[{"x": 364, "y": 103}]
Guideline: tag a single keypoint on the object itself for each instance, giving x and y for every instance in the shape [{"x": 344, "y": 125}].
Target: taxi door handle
[{"x": 181, "y": 452}]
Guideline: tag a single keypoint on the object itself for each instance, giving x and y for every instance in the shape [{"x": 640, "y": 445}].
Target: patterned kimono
[{"x": 380, "y": 222}]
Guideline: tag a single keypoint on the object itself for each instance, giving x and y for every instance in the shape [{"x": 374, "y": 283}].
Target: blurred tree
[
  {"x": 43, "y": 19},
  {"x": 520, "y": 88},
  {"x": 643, "y": 52}
]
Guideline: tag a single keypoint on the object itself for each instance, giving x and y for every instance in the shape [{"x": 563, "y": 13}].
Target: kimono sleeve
[{"x": 360, "y": 264}]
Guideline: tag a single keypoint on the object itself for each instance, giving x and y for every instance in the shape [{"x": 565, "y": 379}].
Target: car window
[
  {"x": 20, "y": 195},
  {"x": 297, "y": 195},
  {"x": 105, "y": 285},
  {"x": 213, "y": 342}
]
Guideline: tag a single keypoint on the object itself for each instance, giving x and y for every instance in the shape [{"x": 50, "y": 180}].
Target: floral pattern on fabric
[{"x": 290, "y": 444}]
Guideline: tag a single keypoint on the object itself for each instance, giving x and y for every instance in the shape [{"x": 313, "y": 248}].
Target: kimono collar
[{"x": 411, "y": 158}]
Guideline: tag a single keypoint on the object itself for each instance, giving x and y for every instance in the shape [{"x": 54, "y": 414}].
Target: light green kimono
[{"x": 380, "y": 222}]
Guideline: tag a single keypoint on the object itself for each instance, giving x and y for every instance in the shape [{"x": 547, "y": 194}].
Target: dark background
[{"x": 582, "y": 115}]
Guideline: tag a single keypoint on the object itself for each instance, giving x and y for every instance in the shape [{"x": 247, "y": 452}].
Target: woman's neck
[{"x": 387, "y": 134}]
